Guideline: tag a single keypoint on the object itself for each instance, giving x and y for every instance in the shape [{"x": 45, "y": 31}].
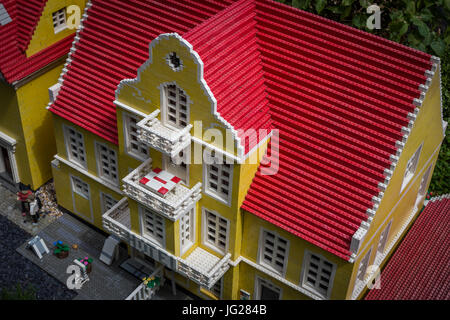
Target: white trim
[
  {"x": 130, "y": 109},
  {"x": 98, "y": 159},
  {"x": 89, "y": 175},
  {"x": 269, "y": 284},
  {"x": 275, "y": 276},
  {"x": 192, "y": 232},
  {"x": 144, "y": 234},
  {"x": 408, "y": 179},
  {"x": 385, "y": 233},
  {"x": 103, "y": 196},
  {"x": 67, "y": 142},
  {"x": 163, "y": 87},
  {"x": 126, "y": 119},
  {"x": 261, "y": 247},
  {"x": 91, "y": 219},
  {"x": 305, "y": 266},
  {"x": 10, "y": 145},
  {"x": 211, "y": 193},
  {"x": 219, "y": 297},
  {"x": 204, "y": 86},
  {"x": 205, "y": 235},
  {"x": 359, "y": 284},
  {"x": 229, "y": 156},
  {"x": 419, "y": 174}
]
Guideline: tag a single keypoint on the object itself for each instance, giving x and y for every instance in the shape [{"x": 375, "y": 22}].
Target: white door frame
[{"x": 10, "y": 145}]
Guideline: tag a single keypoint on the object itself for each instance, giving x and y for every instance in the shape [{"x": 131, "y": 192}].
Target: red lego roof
[
  {"x": 339, "y": 97},
  {"x": 15, "y": 37},
  {"x": 419, "y": 268}
]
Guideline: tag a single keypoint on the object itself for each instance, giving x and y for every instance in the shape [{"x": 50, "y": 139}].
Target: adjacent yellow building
[{"x": 34, "y": 46}]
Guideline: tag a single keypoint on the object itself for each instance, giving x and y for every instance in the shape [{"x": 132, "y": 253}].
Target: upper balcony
[
  {"x": 163, "y": 138},
  {"x": 170, "y": 199},
  {"x": 200, "y": 266}
]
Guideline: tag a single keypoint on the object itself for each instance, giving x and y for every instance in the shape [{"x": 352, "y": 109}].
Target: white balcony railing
[
  {"x": 172, "y": 205},
  {"x": 142, "y": 292},
  {"x": 162, "y": 138},
  {"x": 200, "y": 266},
  {"x": 203, "y": 267}
]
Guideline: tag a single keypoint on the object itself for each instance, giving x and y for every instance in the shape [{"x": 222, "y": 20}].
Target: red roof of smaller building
[
  {"x": 420, "y": 267},
  {"x": 15, "y": 37}
]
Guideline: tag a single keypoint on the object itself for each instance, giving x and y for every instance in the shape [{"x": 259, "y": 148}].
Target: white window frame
[
  {"x": 261, "y": 247},
  {"x": 59, "y": 20},
  {"x": 68, "y": 143},
  {"x": 165, "y": 107},
  {"x": 205, "y": 240},
  {"x": 363, "y": 266},
  {"x": 305, "y": 271},
  {"x": 161, "y": 242},
  {"x": 10, "y": 145},
  {"x": 411, "y": 167},
  {"x": 80, "y": 191},
  {"x": 383, "y": 241},
  {"x": 424, "y": 182},
  {"x": 99, "y": 161},
  {"x": 138, "y": 155},
  {"x": 192, "y": 232},
  {"x": 206, "y": 179},
  {"x": 103, "y": 200},
  {"x": 261, "y": 281}
]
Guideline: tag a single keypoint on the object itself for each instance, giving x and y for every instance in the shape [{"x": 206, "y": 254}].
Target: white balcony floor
[{"x": 201, "y": 260}]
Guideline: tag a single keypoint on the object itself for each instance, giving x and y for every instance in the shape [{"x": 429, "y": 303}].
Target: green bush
[{"x": 421, "y": 24}]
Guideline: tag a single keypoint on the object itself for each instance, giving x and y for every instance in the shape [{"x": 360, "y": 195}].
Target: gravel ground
[{"x": 14, "y": 268}]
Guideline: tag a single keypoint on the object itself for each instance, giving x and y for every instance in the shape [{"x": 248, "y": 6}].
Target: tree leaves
[{"x": 320, "y": 5}]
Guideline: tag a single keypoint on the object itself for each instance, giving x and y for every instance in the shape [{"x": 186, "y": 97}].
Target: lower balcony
[
  {"x": 200, "y": 266},
  {"x": 170, "y": 201}
]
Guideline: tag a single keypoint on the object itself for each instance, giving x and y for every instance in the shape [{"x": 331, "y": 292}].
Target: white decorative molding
[
  {"x": 130, "y": 109},
  {"x": 88, "y": 174},
  {"x": 10, "y": 145}
]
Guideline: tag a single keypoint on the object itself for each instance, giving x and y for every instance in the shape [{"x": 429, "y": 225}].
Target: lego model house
[{"x": 317, "y": 143}]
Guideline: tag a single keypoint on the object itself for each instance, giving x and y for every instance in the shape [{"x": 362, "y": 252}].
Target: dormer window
[
  {"x": 174, "y": 61},
  {"x": 59, "y": 20}
]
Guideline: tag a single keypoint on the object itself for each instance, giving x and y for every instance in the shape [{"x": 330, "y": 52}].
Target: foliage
[
  {"x": 421, "y": 24},
  {"x": 60, "y": 247},
  {"x": 19, "y": 293}
]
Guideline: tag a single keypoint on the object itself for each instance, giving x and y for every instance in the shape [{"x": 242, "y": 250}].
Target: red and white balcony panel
[
  {"x": 200, "y": 266},
  {"x": 171, "y": 202},
  {"x": 161, "y": 137}
]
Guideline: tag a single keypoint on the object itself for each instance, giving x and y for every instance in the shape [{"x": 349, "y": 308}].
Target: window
[
  {"x": 176, "y": 107},
  {"x": 318, "y": 274},
  {"x": 383, "y": 239},
  {"x": 133, "y": 146},
  {"x": 153, "y": 226},
  {"x": 80, "y": 187},
  {"x": 411, "y": 167},
  {"x": 107, "y": 202},
  {"x": 187, "y": 230},
  {"x": 106, "y": 163},
  {"x": 424, "y": 182},
  {"x": 75, "y": 146},
  {"x": 273, "y": 251},
  {"x": 215, "y": 232},
  {"x": 174, "y": 61},
  {"x": 59, "y": 20},
  {"x": 362, "y": 270},
  {"x": 219, "y": 179},
  {"x": 266, "y": 290}
]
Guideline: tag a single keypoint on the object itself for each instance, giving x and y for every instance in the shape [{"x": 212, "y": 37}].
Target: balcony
[
  {"x": 203, "y": 267},
  {"x": 142, "y": 292},
  {"x": 200, "y": 266},
  {"x": 171, "y": 205},
  {"x": 162, "y": 138}
]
